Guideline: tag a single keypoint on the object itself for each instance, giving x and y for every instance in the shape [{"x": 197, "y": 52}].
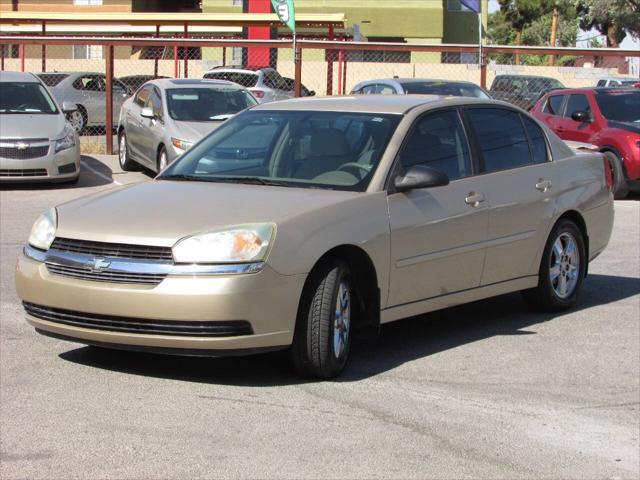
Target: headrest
[{"x": 329, "y": 142}]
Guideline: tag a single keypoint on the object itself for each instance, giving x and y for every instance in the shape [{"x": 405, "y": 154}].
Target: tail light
[
  {"x": 608, "y": 173},
  {"x": 258, "y": 93}
]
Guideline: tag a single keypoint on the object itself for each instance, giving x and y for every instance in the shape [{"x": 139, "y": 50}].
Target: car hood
[
  {"x": 25, "y": 126},
  {"x": 161, "y": 212},
  {"x": 193, "y": 131},
  {"x": 628, "y": 126}
]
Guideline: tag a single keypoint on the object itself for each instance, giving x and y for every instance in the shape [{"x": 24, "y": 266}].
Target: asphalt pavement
[{"x": 486, "y": 390}]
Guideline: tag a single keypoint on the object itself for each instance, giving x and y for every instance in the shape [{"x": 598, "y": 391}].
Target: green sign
[{"x": 286, "y": 11}]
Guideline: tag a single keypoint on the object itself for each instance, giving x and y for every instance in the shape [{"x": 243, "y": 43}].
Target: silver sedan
[
  {"x": 167, "y": 116},
  {"x": 36, "y": 141}
]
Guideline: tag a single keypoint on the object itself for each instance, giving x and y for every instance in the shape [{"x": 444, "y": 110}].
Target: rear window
[
  {"x": 52, "y": 79},
  {"x": 241, "y": 78},
  {"x": 620, "y": 106},
  {"x": 445, "y": 88}
]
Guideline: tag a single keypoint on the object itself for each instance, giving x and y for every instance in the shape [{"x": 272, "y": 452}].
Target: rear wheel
[
  {"x": 620, "y": 189},
  {"x": 562, "y": 269},
  {"x": 322, "y": 340}
]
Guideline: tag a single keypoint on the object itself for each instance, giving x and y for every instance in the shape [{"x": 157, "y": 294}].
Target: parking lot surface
[{"x": 488, "y": 390}]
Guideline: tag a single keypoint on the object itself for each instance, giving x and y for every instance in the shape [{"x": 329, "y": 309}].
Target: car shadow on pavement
[
  {"x": 398, "y": 343},
  {"x": 93, "y": 173}
]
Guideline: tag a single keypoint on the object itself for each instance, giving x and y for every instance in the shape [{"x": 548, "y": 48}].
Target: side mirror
[
  {"x": 581, "y": 116},
  {"x": 312, "y": 93},
  {"x": 68, "y": 107},
  {"x": 147, "y": 113},
  {"x": 420, "y": 176}
]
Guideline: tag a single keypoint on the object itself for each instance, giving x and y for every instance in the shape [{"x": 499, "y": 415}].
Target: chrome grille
[
  {"x": 105, "y": 275},
  {"x": 190, "y": 328},
  {"x": 19, "y": 172},
  {"x": 15, "y": 153},
  {"x": 117, "y": 250}
]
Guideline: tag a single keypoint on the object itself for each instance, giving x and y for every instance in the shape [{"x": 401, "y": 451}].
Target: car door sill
[{"x": 418, "y": 307}]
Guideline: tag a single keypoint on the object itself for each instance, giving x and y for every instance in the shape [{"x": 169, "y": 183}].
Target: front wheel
[
  {"x": 620, "y": 189},
  {"x": 163, "y": 160},
  {"x": 126, "y": 164},
  {"x": 562, "y": 269},
  {"x": 322, "y": 338}
]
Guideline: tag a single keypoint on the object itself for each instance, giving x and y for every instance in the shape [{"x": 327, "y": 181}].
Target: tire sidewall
[
  {"x": 564, "y": 226},
  {"x": 123, "y": 160},
  {"x": 619, "y": 189}
]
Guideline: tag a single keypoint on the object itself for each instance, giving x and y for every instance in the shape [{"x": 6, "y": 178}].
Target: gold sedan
[{"x": 298, "y": 224}]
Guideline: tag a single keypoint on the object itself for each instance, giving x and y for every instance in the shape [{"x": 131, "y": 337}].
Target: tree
[
  {"x": 522, "y": 13},
  {"x": 613, "y": 18}
]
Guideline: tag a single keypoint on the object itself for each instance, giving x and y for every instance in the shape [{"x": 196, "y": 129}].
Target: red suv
[{"x": 606, "y": 117}]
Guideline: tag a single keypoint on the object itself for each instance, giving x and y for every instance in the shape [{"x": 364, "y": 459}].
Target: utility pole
[{"x": 554, "y": 30}]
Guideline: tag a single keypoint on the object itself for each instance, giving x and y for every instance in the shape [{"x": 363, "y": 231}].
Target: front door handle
[
  {"x": 543, "y": 185},
  {"x": 474, "y": 199}
]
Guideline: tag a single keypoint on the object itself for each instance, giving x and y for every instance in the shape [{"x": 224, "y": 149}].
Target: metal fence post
[
  {"x": 175, "y": 61},
  {"x": 297, "y": 58},
  {"x": 44, "y": 47},
  {"x": 21, "y": 49},
  {"x": 329, "y": 56},
  {"x": 483, "y": 68},
  {"x": 108, "y": 124},
  {"x": 339, "y": 72},
  {"x": 186, "y": 52}
]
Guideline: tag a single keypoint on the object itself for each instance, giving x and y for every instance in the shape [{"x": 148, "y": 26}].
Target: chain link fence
[{"x": 75, "y": 70}]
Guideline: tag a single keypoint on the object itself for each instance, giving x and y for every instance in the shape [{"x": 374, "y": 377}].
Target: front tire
[
  {"x": 163, "y": 160},
  {"x": 78, "y": 119},
  {"x": 126, "y": 164},
  {"x": 562, "y": 269},
  {"x": 322, "y": 339}
]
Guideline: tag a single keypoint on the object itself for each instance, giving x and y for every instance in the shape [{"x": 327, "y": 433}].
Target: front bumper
[
  {"x": 61, "y": 166},
  {"x": 267, "y": 300}
]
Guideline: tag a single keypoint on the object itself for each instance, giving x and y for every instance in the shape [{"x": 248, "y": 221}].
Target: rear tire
[
  {"x": 163, "y": 160},
  {"x": 126, "y": 164},
  {"x": 620, "y": 189},
  {"x": 562, "y": 269},
  {"x": 322, "y": 339}
]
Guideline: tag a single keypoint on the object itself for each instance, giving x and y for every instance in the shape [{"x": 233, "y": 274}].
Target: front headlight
[
  {"x": 68, "y": 139},
  {"x": 44, "y": 230},
  {"x": 237, "y": 244},
  {"x": 181, "y": 145}
]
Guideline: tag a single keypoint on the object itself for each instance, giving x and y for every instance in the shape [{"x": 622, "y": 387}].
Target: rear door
[
  {"x": 515, "y": 164},
  {"x": 578, "y": 131},
  {"x": 437, "y": 234}
]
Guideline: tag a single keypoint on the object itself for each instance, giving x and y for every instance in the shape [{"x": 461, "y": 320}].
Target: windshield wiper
[
  {"x": 251, "y": 181},
  {"x": 183, "y": 177}
]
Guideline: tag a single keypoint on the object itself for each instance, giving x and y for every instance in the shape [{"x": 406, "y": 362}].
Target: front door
[
  {"x": 437, "y": 234},
  {"x": 578, "y": 131}
]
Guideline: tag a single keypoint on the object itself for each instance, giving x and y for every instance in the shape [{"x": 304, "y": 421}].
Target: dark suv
[{"x": 522, "y": 90}]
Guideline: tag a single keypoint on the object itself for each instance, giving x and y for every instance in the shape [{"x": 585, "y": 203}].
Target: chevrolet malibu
[{"x": 300, "y": 223}]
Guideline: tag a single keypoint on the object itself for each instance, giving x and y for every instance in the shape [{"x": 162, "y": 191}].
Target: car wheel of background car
[
  {"x": 162, "y": 159},
  {"x": 322, "y": 338},
  {"x": 562, "y": 269},
  {"x": 78, "y": 119},
  {"x": 620, "y": 189},
  {"x": 125, "y": 161}
]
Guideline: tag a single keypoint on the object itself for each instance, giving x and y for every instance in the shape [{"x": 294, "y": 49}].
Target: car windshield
[
  {"x": 25, "y": 97},
  {"x": 621, "y": 106},
  {"x": 307, "y": 149},
  {"x": 246, "y": 79},
  {"x": 541, "y": 84},
  {"x": 206, "y": 104},
  {"x": 444, "y": 88}
]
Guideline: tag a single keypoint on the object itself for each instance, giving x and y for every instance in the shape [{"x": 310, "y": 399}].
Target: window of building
[
  {"x": 87, "y": 52},
  {"x": 457, "y": 6},
  {"x": 10, "y": 51},
  {"x": 373, "y": 56},
  {"x": 87, "y": 2}
]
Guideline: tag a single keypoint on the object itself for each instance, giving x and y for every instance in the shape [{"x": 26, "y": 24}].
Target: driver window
[
  {"x": 142, "y": 97},
  {"x": 438, "y": 141},
  {"x": 155, "y": 103}
]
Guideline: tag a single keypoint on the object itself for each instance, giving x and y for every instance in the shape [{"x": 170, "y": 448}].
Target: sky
[{"x": 628, "y": 42}]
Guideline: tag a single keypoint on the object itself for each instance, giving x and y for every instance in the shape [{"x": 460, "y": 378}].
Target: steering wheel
[{"x": 358, "y": 167}]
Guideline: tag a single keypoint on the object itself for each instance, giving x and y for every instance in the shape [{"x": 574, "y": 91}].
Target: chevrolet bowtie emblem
[
  {"x": 100, "y": 264},
  {"x": 22, "y": 146}
]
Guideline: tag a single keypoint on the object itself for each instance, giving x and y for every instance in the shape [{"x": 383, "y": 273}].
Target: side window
[
  {"x": 386, "y": 89},
  {"x": 155, "y": 102},
  {"x": 369, "y": 89},
  {"x": 536, "y": 140},
  {"x": 577, "y": 103},
  {"x": 601, "y": 83},
  {"x": 95, "y": 84},
  {"x": 438, "y": 141},
  {"x": 501, "y": 138},
  {"x": 142, "y": 97},
  {"x": 554, "y": 105},
  {"x": 274, "y": 80}
]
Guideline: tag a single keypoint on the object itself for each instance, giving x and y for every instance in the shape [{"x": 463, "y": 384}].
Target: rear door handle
[
  {"x": 543, "y": 185},
  {"x": 474, "y": 199}
]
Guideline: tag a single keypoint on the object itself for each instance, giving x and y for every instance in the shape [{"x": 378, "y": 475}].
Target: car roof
[
  {"x": 18, "y": 77},
  {"x": 510, "y": 75},
  {"x": 391, "y": 104},
  {"x": 416, "y": 80},
  {"x": 250, "y": 71},
  {"x": 566, "y": 91},
  {"x": 193, "y": 83}
]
